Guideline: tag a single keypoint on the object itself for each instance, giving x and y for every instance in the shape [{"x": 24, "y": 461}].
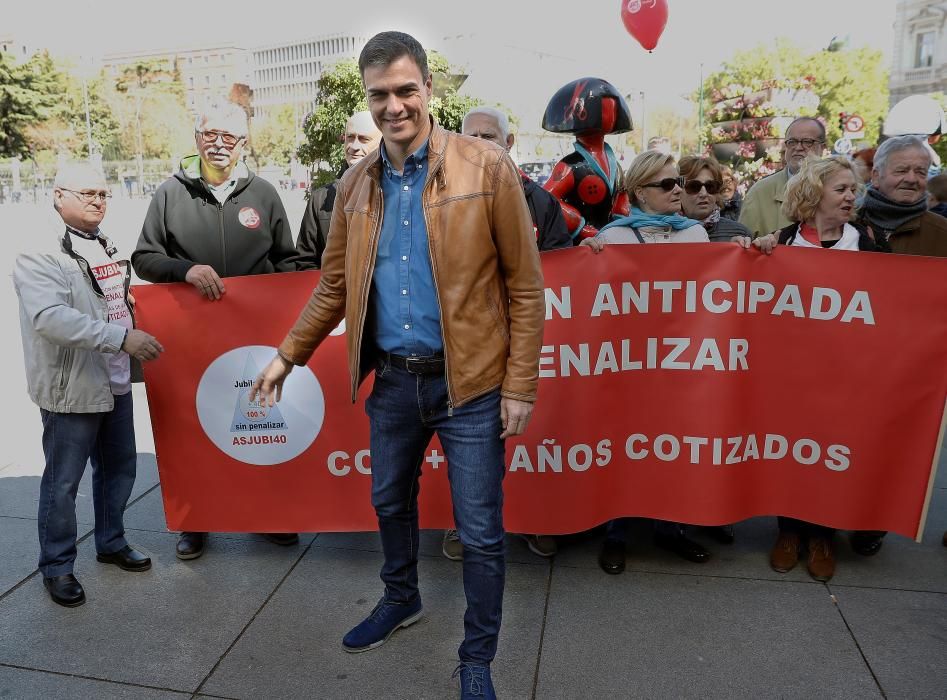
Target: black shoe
[
  {"x": 283, "y": 539},
  {"x": 191, "y": 545},
  {"x": 126, "y": 559},
  {"x": 867, "y": 543},
  {"x": 612, "y": 557},
  {"x": 720, "y": 533},
  {"x": 682, "y": 547},
  {"x": 65, "y": 590}
]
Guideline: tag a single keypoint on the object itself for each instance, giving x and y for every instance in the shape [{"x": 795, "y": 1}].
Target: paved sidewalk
[{"x": 253, "y": 620}]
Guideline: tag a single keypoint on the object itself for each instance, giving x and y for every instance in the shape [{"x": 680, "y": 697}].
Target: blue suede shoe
[
  {"x": 475, "y": 681},
  {"x": 375, "y": 629}
]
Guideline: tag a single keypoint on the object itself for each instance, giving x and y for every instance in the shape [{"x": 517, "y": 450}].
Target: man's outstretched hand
[{"x": 268, "y": 386}]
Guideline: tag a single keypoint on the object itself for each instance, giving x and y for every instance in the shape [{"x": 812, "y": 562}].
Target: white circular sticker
[{"x": 247, "y": 431}]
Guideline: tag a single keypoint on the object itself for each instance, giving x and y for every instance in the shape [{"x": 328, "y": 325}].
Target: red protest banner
[{"x": 697, "y": 383}]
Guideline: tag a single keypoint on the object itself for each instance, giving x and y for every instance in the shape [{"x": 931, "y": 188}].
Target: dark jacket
[
  {"x": 866, "y": 241},
  {"x": 314, "y": 229},
  {"x": 731, "y": 208},
  {"x": 725, "y": 229},
  {"x": 940, "y": 209},
  {"x": 248, "y": 234},
  {"x": 546, "y": 213},
  {"x": 925, "y": 235}
]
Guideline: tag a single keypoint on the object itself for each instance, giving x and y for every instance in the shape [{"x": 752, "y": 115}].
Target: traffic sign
[
  {"x": 843, "y": 146},
  {"x": 854, "y": 124}
]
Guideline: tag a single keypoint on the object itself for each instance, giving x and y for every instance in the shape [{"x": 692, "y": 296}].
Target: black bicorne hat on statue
[{"x": 577, "y": 107}]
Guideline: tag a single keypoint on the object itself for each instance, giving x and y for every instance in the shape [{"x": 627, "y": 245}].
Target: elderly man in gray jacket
[{"x": 77, "y": 323}]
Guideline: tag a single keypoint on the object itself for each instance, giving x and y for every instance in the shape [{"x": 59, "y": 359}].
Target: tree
[
  {"x": 754, "y": 84},
  {"x": 273, "y": 138},
  {"x": 147, "y": 99},
  {"x": 28, "y": 94},
  {"x": 66, "y": 130},
  {"x": 340, "y": 94},
  {"x": 678, "y": 124}
]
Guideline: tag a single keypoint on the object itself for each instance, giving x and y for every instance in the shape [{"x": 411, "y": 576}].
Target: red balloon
[{"x": 645, "y": 20}]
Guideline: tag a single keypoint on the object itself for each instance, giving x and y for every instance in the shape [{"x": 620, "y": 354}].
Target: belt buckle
[
  {"x": 414, "y": 365},
  {"x": 418, "y": 365}
]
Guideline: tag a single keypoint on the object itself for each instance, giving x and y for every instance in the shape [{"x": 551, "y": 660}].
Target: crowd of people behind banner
[{"x": 81, "y": 346}]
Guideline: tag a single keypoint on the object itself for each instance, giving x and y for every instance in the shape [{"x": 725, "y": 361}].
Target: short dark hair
[
  {"x": 690, "y": 167},
  {"x": 385, "y": 48}
]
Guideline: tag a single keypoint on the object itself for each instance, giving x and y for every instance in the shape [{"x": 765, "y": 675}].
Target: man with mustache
[
  {"x": 895, "y": 204},
  {"x": 215, "y": 219},
  {"x": 361, "y": 138}
]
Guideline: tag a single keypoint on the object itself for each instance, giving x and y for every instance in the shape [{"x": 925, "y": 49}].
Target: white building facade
[
  {"x": 919, "y": 60},
  {"x": 286, "y": 73}
]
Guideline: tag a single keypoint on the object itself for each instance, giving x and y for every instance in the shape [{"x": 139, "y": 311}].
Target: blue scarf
[{"x": 639, "y": 219}]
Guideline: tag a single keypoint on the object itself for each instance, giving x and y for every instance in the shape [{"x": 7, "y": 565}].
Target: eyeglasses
[
  {"x": 228, "y": 139},
  {"x": 89, "y": 197},
  {"x": 695, "y": 186},
  {"x": 667, "y": 184},
  {"x": 805, "y": 143}
]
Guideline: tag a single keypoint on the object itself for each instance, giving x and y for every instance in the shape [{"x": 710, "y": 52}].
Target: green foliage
[
  {"x": 43, "y": 111},
  {"x": 680, "y": 126},
  {"x": 29, "y": 93},
  {"x": 340, "y": 94},
  {"x": 273, "y": 139},
  {"x": 70, "y": 118},
  {"x": 854, "y": 81},
  {"x": 149, "y": 96}
]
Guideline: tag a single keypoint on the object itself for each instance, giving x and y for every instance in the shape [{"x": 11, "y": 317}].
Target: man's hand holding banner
[{"x": 704, "y": 384}]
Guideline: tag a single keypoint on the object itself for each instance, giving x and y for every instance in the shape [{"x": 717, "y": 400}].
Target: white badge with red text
[{"x": 249, "y": 217}]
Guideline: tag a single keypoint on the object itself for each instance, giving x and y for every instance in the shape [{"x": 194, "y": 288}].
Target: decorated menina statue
[{"x": 588, "y": 181}]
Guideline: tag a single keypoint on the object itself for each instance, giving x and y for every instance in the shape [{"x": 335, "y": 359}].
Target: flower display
[{"x": 747, "y": 121}]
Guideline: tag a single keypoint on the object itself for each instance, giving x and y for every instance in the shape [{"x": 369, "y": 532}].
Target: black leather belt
[{"x": 433, "y": 364}]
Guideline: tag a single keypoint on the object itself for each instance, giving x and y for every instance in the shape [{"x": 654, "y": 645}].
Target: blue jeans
[
  {"x": 69, "y": 441},
  {"x": 405, "y": 410}
]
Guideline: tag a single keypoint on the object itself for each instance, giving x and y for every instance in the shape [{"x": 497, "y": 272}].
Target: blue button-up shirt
[{"x": 405, "y": 311}]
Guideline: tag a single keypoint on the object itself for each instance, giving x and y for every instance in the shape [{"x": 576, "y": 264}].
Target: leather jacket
[{"x": 483, "y": 258}]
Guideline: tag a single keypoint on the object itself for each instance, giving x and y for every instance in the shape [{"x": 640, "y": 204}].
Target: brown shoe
[
  {"x": 821, "y": 558},
  {"x": 785, "y": 553}
]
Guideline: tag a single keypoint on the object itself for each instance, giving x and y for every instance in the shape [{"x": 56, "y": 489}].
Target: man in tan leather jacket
[{"x": 432, "y": 262}]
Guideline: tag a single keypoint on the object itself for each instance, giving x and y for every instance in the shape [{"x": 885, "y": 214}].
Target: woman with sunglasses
[
  {"x": 703, "y": 182},
  {"x": 654, "y": 187}
]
